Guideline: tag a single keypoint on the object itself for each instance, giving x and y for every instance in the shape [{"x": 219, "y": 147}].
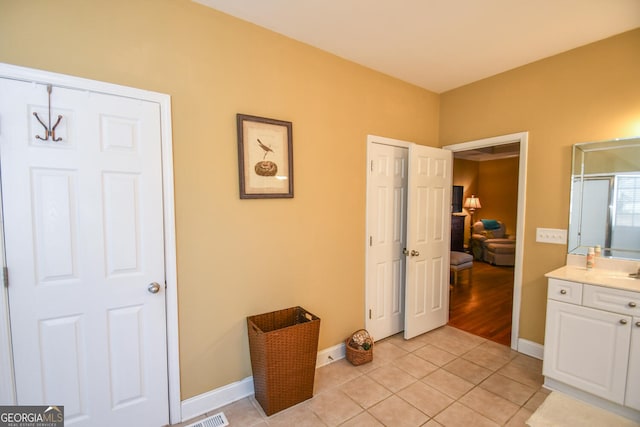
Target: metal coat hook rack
[{"x": 48, "y": 130}]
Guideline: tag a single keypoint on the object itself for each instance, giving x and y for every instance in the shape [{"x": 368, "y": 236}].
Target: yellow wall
[
  {"x": 495, "y": 183},
  {"x": 606, "y": 162},
  {"x": 586, "y": 94},
  {"x": 498, "y": 191},
  {"x": 466, "y": 173},
  {"x": 239, "y": 257}
]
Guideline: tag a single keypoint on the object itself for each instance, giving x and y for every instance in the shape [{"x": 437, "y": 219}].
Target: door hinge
[
  {"x": 371, "y": 165},
  {"x": 5, "y": 276},
  {"x": 370, "y": 314},
  {"x": 370, "y": 240}
]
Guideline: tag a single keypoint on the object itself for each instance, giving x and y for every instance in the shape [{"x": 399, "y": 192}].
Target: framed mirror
[{"x": 605, "y": 198}]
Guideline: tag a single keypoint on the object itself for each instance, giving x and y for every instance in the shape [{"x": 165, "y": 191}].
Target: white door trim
[
  {"x": 7, "y": 391},
  {"x": 388, "y": 141},
  {"x": 522, "y": 138},
  {"x": 7, "y": 388}
]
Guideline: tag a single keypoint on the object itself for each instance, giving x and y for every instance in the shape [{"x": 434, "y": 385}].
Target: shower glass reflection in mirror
[{"x": 605, "y": 198}]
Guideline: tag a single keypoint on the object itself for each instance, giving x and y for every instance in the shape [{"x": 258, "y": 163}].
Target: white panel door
[
  {"x": 84, "y": 240},
  {"x": 428, "y": 239},
  {"x": 387, "y": 208}
]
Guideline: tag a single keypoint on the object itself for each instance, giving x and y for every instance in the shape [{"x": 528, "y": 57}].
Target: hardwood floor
[{"x": 483, "y": 307}]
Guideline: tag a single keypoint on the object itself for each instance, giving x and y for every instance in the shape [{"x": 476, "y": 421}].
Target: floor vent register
[{"x": 217, "y": 420}]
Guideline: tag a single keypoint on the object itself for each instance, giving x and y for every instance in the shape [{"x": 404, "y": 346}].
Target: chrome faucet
[{"x": 635, "y": 275}]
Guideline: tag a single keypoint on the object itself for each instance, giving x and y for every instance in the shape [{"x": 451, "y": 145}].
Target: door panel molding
[{"x": 7, "y": 71}]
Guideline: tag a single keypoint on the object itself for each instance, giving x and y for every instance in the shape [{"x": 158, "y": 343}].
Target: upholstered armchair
[{"x": 491, "y": 243}]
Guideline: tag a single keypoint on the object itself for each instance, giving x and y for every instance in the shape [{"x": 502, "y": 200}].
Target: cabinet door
[
  {"x": 588, "y": 349},
  {"x": 632, "y": 398}
]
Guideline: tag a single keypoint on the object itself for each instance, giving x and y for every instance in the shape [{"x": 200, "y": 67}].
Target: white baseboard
[
  {"x": 330, "y": 355},
  {"x": 530, "y": 348},
  {"x": 214, "y": 399},
  {"x": 206, "y": 402}
]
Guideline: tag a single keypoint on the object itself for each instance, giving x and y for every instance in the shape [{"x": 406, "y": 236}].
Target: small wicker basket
[{"x": 355, "y": 347}]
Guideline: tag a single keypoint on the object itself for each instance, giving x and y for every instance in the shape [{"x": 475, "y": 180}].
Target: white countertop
[{"x": 611, "y": 278}]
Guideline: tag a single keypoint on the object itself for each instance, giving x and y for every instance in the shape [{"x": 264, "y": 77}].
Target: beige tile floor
[{"x": 446, "y": 377}]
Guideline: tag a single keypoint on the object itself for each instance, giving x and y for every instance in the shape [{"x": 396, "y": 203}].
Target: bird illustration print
[
  {"x": 266, "y": 167},
  {"x": 265, "y": 148}
]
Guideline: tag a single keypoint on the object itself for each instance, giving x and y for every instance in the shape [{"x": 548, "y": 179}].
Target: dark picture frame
[{"x": 265, "y": 157}]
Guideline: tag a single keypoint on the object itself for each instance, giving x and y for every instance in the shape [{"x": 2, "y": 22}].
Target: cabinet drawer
[
  {"x": 614, "y": 300},
  {"x": 562, "y": 290}
]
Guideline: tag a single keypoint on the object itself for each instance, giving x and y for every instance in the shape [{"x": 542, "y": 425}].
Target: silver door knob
[
  {"x": 415, "y": 253},
  {"x": 623, "y": 322},
  {"x": 154, "y": 288},
  {"x": 632, "y": 304}
]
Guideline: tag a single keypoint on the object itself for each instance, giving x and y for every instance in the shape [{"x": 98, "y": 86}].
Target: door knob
[
  {"x": 405, "y": 251},
  {"x": 415, "y": 253},
  {"x": 154, "y": 288}
]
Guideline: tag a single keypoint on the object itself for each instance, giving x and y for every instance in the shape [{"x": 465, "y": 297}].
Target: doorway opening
[{"x": 512, "y": 146}]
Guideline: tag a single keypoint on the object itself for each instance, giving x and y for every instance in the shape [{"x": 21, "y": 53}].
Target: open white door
[
  {"x": 428, "y": 240},
  {"x": 408, "y": 207}
]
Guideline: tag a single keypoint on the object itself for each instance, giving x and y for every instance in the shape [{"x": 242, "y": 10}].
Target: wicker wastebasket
[{"x": 283, "y": 346}]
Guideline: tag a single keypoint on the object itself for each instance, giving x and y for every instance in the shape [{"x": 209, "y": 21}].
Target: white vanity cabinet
[
  {"x": 592, "y": 342},
  {"x": 633, "y": 385}
]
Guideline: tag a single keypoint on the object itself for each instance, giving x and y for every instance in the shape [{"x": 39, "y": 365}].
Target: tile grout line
[
  {"x": 472, "y": 352},
  {"x": 461, "y": 356},
  {"x": 493, "y": 372}
]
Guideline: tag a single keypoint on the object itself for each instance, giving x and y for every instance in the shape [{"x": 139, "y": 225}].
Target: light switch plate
[{"x": 551, "y": 235}]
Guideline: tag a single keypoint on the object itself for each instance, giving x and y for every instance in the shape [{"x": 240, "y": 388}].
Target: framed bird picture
[{"x": 265, "y": 157}]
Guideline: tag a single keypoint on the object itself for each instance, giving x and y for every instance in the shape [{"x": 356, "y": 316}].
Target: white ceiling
[{"x": 440, "y": 44}]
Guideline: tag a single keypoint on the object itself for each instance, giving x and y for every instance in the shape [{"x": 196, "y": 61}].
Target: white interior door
[
  {"x": 83, "y": 223},
  {"x": 387, "y": 214},
  {"x": 428, "y": 239},
  {"x": 408, "y": 207}
]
